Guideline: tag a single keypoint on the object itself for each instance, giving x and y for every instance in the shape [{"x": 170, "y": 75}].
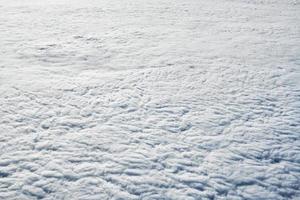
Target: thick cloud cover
[{"x": 149, "y": 99}]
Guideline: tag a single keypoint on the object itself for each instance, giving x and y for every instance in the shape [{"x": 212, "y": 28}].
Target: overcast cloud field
[{"x": 145, "y": 100}]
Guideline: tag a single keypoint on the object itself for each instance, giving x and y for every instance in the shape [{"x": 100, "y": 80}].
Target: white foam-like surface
[{"x": 149, "y": 99}]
